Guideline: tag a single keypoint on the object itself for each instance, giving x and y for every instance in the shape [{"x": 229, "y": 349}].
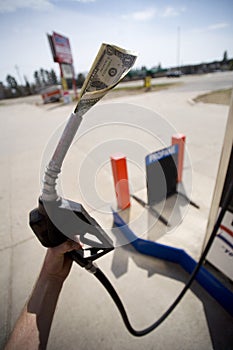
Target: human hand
[{"x": 57, "y": 264}]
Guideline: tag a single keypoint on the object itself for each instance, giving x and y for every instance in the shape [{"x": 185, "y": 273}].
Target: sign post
[
  {"x": 61, "y": 51},
  {"x": 120, "y": 176}
]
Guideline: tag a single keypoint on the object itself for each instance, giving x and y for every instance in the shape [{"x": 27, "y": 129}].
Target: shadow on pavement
[{"x": 220, "y": 323}]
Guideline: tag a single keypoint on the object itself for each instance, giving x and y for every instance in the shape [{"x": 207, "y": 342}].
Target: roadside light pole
[{"x": 178, "y": 48}]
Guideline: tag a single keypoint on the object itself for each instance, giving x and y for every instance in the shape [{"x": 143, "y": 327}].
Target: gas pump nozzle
[{"x": 53, "y": 222}]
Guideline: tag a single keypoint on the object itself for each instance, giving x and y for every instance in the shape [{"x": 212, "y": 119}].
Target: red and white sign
[{"x": 62, "y": 50}]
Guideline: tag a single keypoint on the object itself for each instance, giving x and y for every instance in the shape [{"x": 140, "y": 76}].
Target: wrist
[
  {"x": 46, "y": 292},
  {"x": 48, "y": 278}
]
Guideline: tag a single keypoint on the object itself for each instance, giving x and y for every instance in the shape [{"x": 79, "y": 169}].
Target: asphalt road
[
  {"x": 207, "y": 82},
  {"x": 203, "y": 82}
]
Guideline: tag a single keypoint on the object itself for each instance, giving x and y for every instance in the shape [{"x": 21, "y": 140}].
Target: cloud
[
  {"x": 144, "y": 15},
  {"x": 150, "y": 13},
  {"x": 13, "y": 5},
  {"x": 217, "y": 26},
  {"x": 211, "y": 27},
  {"x": 85, "y": 1},
  {"x": 170, "y": 11}
]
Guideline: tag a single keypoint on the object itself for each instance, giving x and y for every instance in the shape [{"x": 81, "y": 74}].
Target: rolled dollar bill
[{"x": 111, "y": 65}]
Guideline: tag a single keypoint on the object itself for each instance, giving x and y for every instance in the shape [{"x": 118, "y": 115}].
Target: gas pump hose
[{"x": 106, "y": 283}]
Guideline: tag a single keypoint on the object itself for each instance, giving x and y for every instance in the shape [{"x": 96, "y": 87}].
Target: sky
[{"x": 166, "y": 32}]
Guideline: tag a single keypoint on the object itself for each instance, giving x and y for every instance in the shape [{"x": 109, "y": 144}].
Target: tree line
[{"x": 42, "y": 79}]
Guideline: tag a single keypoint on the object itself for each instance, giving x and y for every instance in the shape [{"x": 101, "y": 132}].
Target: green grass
[{"x": 222, "y": 97}]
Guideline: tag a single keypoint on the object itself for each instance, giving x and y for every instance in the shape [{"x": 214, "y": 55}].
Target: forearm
[{"x": 33, "y": 326}]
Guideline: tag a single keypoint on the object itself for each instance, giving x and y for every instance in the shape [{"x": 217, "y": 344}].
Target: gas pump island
[{"x": 57, "y": 219}]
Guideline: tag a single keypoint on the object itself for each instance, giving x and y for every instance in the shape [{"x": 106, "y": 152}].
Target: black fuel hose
[{"x": 106, "y": 283}]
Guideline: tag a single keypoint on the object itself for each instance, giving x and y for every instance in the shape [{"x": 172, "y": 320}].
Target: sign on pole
[
  {"x": 61, "y": 51},
  {"x": 67, "y": 70},
  {"x": 60, "y": 47}
]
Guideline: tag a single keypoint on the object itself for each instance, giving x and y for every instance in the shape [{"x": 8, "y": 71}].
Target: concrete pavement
[{"x": 86, "y": 318}]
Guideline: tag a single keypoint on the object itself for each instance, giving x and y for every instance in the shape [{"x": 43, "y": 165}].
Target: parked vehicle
[
  {"x": 174, "y": 73},
  {"x": 51, "y": 94}
]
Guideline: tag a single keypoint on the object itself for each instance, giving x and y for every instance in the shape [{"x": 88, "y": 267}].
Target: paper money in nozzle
[{"x": 110, "y": 66}]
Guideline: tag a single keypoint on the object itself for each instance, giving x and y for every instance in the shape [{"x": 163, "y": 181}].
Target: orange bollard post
[
  {"x": 179, "y": 139},
  {"x": 120, "y": 176}
]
